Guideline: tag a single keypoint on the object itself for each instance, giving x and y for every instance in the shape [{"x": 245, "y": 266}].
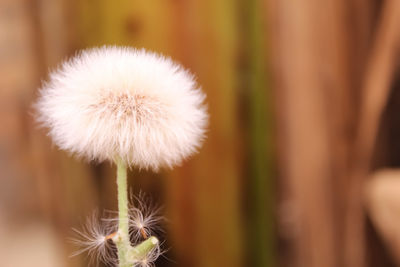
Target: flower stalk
[
  {"x": 128, "y": 255},
  {"x": 139, "y": 252},
  {"x": 122, "y": 239}
]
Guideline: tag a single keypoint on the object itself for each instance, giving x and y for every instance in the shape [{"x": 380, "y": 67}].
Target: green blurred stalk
[{"x": 262, "y": 249}]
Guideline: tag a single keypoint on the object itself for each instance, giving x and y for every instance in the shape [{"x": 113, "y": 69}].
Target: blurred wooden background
[{"x": 302, "y": 97}]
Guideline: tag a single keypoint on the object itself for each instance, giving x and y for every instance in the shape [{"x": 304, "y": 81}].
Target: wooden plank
[
  {"x": 310, "y": 45},
  {"x": 375, "y": 93}
]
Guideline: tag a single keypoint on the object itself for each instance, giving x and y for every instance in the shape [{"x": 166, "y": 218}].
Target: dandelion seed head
[
  {"x": 93, "y": 240},
  {"x": 144, "y": 218},
  {"x": 112, "y": 102}
]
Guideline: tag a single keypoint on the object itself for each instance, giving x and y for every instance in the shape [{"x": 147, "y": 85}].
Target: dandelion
[
  {"x": 131, "y": 107},
  {"x": 109, "y": 103},
  {"x": 144, "y": 218},
  {"x": 94, "y": 238}
]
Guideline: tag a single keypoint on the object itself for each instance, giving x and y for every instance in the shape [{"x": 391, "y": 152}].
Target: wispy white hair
[{"x": 117, "y": 102}]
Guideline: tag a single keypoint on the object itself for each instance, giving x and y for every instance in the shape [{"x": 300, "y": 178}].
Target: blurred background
[{"x": 299, "y": 167}]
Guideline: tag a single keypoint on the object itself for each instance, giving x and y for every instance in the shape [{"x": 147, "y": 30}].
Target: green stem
[
  {"x": 128, "y": 255},
  {"x": 122, "y": 242},
  {"x": 141, "y": 251},
  {"x": 122, "y": 183}
]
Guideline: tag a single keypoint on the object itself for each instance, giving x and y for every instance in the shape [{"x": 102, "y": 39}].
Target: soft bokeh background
[{"x": 304, "y": 102}]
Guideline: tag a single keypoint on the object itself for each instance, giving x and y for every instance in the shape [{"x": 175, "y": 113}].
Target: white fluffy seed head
[
  {"x": 117, "y": 102},
  {"x": 93, "y": 240},
  {"x": 96, "y": 237},
  {"x": 144, "y": 218}
]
